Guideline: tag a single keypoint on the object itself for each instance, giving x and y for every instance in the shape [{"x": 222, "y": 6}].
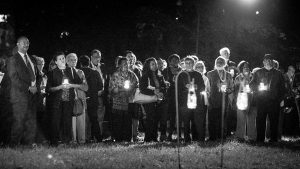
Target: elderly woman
[
  {"x": 152, "y": 84},
  {"x": 41, "y": 106},
  {"x": 122, "y": 86},
  {"x": 78, "y": 122},
  {"x": 61, "y": 84},
  {"x": 134, "y": 108},
  {"x": 200, "y": 67},
  {"x": 245, "y": 128}
]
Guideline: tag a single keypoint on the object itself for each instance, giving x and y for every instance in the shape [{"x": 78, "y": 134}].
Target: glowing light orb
[
  {"x": 126, "y": 84},
  {"x": 262, "y": 87},
  {"x": 242, "y": 101},
  {"x": 247, "y": 89},
  {"x": 223, "y": 88},
  {"x": 65, "y": 81},
  {"x": 49, "y": 156}
]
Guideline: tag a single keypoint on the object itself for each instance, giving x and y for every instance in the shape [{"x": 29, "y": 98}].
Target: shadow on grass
[
  {"x": 292, "y": 144},
  {"x": 286, "y": 143}
]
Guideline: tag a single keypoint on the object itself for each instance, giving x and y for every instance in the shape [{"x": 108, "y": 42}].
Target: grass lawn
[{"x": 154, "y": 155}]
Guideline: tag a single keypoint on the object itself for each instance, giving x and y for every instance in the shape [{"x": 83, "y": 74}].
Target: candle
[
  {"x": 126, "y": 84},
  {"x": 192, "y": 98},
  {"x": 223, "y": 88},
  {"x": 262, "y": 87},
  {"x": 247, "y": 89},
  {"x": 65, "y": 81}
]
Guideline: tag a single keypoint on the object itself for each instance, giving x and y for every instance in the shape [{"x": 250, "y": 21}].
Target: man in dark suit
[
  {"x": 22, "y": 72},
  {"x": 95, "y": 83}
]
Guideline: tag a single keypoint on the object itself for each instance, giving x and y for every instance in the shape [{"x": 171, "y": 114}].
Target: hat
[{"x": 268, "y": 56}]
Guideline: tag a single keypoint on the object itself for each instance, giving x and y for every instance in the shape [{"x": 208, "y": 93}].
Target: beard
[{"x": 219, "y": 67}]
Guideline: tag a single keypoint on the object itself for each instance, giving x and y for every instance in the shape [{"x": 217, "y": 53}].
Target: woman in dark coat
[
  {"x": 152, "y": 84},
  {"x": 61, "y": 99}
]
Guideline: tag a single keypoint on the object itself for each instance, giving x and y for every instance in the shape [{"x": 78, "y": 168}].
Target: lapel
[
  {"x": 21, "y": 67},
  {"x": 33, "y": 60}
]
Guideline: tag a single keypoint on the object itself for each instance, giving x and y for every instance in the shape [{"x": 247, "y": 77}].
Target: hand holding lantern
[
  {"x": 262, "y": 87},
  {"x": 65, "y": 83},
  {"x": 223, "y": 88},
  {"x": 126, "y": 84},
  {"x": 192, "y": 98},
  {"x": 247, "y": 89}
]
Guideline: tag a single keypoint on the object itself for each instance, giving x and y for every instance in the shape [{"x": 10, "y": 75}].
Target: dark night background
[{"x": 157, "y": 28}]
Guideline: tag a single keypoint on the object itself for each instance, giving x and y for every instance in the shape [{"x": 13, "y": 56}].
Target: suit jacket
[
  {"x": 94, "y": 81},
  {"x": 19, "y": 77}
]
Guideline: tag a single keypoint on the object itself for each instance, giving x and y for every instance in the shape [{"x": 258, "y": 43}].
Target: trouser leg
[
  {"x": 151, "y": 129},
  {"x": 214, "y": 123},
  {"x": 80, "y": 124},
  {"x": 261, "y": 123},
  {"x": 274, "y": 118},
  {"x": 251, "y": 123},
  {"x": 199, "y": 118},
  {"x": 66, "y": 122},
  {"x": 101, "y": 113},
  {"x": 18, "y": 122},
  {"x": 241, "y": 124}
]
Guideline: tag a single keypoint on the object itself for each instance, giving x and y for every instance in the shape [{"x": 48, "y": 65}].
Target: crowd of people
[{"x": 37, "y": 106}]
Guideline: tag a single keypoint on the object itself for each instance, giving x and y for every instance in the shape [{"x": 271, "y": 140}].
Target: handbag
[
  {"x": 143, "y": 98},
  {"x": 78, "y": 105},
  {"x": 242, "y": 101}
]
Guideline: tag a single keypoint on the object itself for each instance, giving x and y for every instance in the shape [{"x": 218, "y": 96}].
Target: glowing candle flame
[
  {"x": 262, "y": 87},
  {"x": 126, "y": 84},
  {"x": 223, "y": 88},
  {"x": 203, "y": 93},
  {"x": 49, "y": 156},
  {"x": 247, "y": 89},
  {"x": 65, "y": 81},
  {"x": 242, "y": 101},
  {"x": 192, "y": 98}
]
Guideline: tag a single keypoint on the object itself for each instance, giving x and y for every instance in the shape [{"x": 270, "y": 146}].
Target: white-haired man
[{"x": 220, "y": 82}]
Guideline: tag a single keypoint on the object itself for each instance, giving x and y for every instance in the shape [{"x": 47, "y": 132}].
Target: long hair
[
  {"x": 202, "y": 63},
  {"x": 241, "y": 65},
  {"x": 146, "y": 67}
]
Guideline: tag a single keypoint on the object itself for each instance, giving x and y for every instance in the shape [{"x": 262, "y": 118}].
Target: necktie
[{"x": 31, "y": 74}]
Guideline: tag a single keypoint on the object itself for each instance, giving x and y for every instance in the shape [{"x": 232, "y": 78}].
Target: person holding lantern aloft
[
  {"x": 268, "y": 86},
  {"x": 220, "y": 82},
  {"x": 122, "y": 86},
  {"x": 245, "y": 128}
]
